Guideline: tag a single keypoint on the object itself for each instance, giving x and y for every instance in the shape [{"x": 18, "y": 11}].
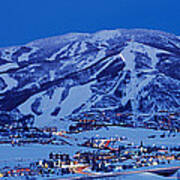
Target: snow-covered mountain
[{"x": 136, "y": 71}]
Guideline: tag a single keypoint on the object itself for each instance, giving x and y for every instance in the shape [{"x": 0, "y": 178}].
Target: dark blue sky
[{"x": 26, "y": 20}]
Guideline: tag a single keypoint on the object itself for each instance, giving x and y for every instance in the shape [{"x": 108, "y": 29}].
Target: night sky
[{"x": 26, "y": 20}]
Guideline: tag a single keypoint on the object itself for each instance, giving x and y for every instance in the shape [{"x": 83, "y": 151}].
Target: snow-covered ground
[
  {"x": 142, "y": 176},
  {"x": 134, "y": 135},
  {"x": 10, "y": 82},
  {"x": 77, "y": 95}
]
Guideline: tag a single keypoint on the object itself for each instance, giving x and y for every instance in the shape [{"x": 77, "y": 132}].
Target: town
[
  {"x": 102, "y": 155},
  {"x": 95, "y": 155}
]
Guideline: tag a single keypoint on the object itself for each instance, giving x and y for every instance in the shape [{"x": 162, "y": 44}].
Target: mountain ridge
[{"x": 117, "y": 71}]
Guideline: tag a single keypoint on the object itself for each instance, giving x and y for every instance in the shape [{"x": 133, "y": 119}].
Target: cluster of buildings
[
  {"x": 111, "y": 143},
  {"x": 100, "y": 158},
  {"x": 163, "y": 120},
  {"x": 99, "y": 154},
  {"x": 21, "y": 136}
]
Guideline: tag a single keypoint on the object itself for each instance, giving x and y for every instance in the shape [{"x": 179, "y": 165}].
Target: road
[{"x": 103, "y": 175}]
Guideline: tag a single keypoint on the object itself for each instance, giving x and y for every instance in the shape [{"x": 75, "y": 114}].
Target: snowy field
[{"x": 134, "y": 135}]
